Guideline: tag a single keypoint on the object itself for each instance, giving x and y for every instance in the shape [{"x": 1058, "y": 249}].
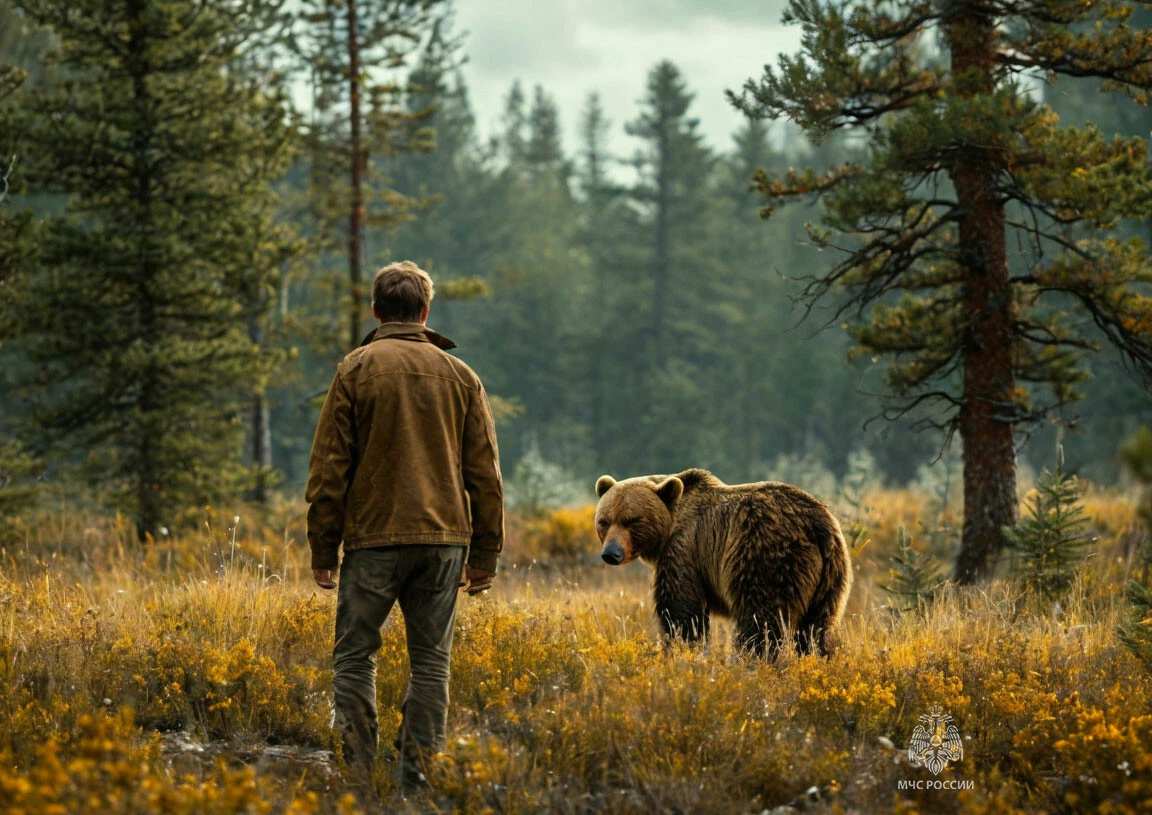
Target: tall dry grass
[{"x": 193, "y": 675}]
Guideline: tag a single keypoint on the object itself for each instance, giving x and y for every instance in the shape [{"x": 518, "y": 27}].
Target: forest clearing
[
  {"x": 193, "y": 675},
  {"x": 309, "y": 306}
]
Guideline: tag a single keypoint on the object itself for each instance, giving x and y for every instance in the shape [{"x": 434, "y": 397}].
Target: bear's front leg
[
  {"x": 680, "y": 607},
  {"x": 760, "y": 633}
]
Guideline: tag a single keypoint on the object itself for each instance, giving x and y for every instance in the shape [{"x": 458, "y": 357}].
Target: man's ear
[
  {"x": 670, "y": 489},
  {"x": 603, "y": 484}
]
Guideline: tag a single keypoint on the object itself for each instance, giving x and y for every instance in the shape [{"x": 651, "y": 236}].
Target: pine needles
[
  {"x": 1051, "y": 541},
  {"x": 914, "y": 577}
]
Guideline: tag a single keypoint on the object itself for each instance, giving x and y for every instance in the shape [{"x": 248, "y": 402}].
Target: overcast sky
[{"x": 573, "y": 47}]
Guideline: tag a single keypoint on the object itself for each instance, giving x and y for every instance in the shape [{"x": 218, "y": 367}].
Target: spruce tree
[
  {"x": 964, "y": 164},
  {"x": 605, "y": 305},
  {"x": 529, "y": 227},
  {"x": 1136, "y": 631},
  {"x": 1050, "y": 542},
  {"x": 515, "y": 124},
  {"x": 133, "y": 313},
  {"x": 543, "y": 151},
  {"x": 913, "y": 576},
  {"x": 12, "y": 227},
  {"x": 673, "y": 164},
  {"x": 16, "y": 465},
  {"x": 678, "y": 325}
]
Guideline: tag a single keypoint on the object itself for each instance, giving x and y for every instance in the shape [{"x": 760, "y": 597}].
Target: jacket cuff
[{"x": 483, "y": 559}]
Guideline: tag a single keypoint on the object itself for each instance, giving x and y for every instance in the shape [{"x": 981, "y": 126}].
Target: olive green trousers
[{"x": 425, "y": 579}]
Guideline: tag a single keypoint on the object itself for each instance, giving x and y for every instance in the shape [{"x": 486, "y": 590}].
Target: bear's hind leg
[
  {"x": 817, "y": 632},
  {"x": 810, "y": 639}
]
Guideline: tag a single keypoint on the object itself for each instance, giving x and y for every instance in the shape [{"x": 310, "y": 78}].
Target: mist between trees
[{"x": 185, "y": 247}]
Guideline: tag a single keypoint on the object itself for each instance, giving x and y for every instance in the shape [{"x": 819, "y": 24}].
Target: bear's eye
[{"x": 601, "y": 524}]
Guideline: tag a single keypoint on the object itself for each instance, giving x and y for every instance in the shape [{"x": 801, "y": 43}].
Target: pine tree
[
  {"x": 16, "y": 465},
  {"x": 529, "y": 227},
  {"x": 1049, "y": 543},
  {"x": 22, "y": 45},
  {"x": 1136, "y": 631},
  {"x": 673, "y": 164},
  {"x": 514, "y": 135},
  {"x": 964, "y": 162},
  {"x": 436, "y": 88},
  {"x": 358, "y": 53},
  {"x": 913, "y": 576},
  {"x": 677, "y": 328},
  {"x": 603, "y": 315},
  {"x": 163, "y": 147},
  {"x": 1137, "y": 455},
  {"x": 12, "y": 227},
  {"x": 543, "y": 152},
  {"x": 444, "y": 179}
]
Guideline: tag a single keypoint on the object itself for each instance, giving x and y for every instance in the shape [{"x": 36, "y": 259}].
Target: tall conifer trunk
[
  {"x": 660, "y": 259},
  {"x": 356, "y": 212},
  {"x": 261, "y": 423},
  {"x": 987, "y": 402},
  {"x": 146, "y": 424}
]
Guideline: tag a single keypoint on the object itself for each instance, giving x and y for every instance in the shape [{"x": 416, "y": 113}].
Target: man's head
[{"x": 401, "y": 293}]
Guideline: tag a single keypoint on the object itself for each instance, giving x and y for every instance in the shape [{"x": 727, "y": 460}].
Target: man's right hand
[
  {"x": 479, "y": 580},
  {"x": 325, "y": 578}
]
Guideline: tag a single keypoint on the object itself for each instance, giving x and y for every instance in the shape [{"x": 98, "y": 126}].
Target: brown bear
[{"x": 768, "y": 555}]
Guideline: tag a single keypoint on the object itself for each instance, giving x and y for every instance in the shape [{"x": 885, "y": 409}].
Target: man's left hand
[
  {"x": 325, "y": 578},
  {"x": 479, "y": 580}
]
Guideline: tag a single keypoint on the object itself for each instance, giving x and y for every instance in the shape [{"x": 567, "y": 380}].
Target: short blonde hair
[{"x": 401, "y": 292}]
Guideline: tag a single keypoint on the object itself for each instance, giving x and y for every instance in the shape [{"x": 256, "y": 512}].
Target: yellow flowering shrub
[
  {"x": 559, "y": 535},
  {"x": 105, "y": 766}
]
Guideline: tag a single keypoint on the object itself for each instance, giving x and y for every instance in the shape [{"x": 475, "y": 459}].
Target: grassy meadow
[{"x": 192, "y": 675}]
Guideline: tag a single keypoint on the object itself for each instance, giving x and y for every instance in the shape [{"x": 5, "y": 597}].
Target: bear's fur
[{"x": 768, "y": 555}]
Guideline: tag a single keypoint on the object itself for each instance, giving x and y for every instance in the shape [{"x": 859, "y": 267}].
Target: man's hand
[
  {"x": 479, "y": 580},
  {"x": 325, "y": 578}
]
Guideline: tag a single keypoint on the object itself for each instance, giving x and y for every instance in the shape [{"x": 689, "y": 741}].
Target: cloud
[
  {"x": 657, "y": 14},
  {"x": 573, "y": 48}
]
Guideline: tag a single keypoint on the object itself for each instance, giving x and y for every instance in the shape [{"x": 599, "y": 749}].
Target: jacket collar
[{"x": 415, "y": 331}]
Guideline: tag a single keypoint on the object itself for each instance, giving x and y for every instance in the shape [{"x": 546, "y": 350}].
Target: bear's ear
[
  {"x": 670, "y": 489},
  {"x": 603, "y": 484}
]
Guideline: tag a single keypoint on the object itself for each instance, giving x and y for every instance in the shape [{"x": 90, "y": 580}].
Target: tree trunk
[
  {"x": 261, "y": 427},
  {"x": 147, "y": 432},
  {"x": 660, "y": 254},
  {"x": 988, "y": 404},
  {"x": 356, "y": 213}
]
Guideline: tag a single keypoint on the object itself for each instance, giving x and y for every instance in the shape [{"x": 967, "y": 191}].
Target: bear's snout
[{"x": 613, "y": 553}]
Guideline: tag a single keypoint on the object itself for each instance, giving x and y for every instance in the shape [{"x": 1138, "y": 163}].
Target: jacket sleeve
[
  {"x": 481, "y": 465},
  {"x": 330, "y": 470}
]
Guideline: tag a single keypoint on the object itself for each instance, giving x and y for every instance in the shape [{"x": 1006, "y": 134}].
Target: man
[{"x": 405, "y": 471}]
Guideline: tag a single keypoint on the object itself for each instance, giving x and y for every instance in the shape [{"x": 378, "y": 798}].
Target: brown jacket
[{"x": 405, "y": 452}]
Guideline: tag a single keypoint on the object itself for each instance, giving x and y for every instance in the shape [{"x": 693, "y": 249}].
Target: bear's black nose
[{"x": 613, "y": 553}]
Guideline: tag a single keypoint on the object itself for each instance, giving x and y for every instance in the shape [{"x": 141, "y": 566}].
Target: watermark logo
[{"x": 935, "y": 742}]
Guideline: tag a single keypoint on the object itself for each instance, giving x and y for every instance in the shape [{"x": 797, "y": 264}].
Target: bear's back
[{"x": 703, "y": 487}]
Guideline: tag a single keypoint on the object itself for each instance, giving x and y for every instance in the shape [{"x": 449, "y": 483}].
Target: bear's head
[{"x": 634, "y": 516}]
